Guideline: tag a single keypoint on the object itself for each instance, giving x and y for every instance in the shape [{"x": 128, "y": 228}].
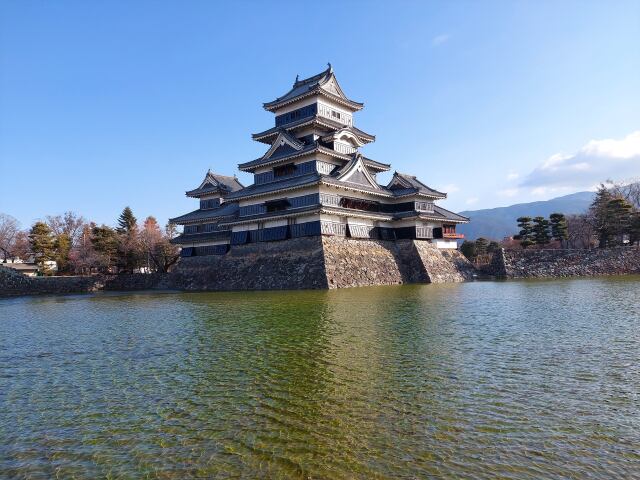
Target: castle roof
[
  {"x": 226, "y": 209},
  {"x": 403, "y": 184},
  {"x": 324, "y": 83},
  {"x": 283, "y": 184},
  {"x": 290, "y": 154},
  {"x": 201, "y": 237},
  {"x": 438, "y": 213},
  {"x": 214, "y": 183},
  {"x": 267, "y": 136}
]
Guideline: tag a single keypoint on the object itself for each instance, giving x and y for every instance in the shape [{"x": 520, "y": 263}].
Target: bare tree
[
  {"x": 9, "y": 228},
  {"x": 629, "y": 190},
  {"x": 157, "y": 246},
  {"x": 70, "y": 224},
  {"x": 581, "y": 233}
]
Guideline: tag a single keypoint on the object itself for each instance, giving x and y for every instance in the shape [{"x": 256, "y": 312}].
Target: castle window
[
  {"x": 277, "y": 205},
  {"x": 284, "y": 170}
]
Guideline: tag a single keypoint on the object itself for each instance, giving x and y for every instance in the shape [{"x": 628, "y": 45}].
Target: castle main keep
[{"x": 313, "y": 183}]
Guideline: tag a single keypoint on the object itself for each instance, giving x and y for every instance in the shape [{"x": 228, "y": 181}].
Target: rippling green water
[{"x": 484, "y": 380}]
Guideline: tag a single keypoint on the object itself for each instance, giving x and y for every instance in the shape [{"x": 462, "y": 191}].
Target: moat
[{"x": 519, "y": 379}]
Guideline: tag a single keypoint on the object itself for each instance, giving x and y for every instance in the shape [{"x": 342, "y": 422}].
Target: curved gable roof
[
  {"x": 324, "y": 83},
  {"x": 215, "y": 183}
]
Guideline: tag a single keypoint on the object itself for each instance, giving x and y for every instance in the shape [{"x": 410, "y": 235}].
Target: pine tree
[
  {"x": 559, "y": 228},
  {"x": 598, "y": 215},
  {"x": 105, "y": 244},
  {"x": 62, "y": 247},
  {"x": 481, "y": 246},
  {"x": 526, "y": 232},
  {"x": 635, "y": 228},
  {"x": 42, "y": 243},
  {"x": 619, "y": 215},
  {"x": 541, "y": 234},
  {"x": 468, "y": 249},
  {"x": 493, "y": 246},
  {"x": 127, "y": 222}
]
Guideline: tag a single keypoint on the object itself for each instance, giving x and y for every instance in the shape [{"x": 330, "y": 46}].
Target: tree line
[
  {"x": 541, "y": 231},
  {"x": 613, "y": 219},
  {"x": 78, "y": 246}
]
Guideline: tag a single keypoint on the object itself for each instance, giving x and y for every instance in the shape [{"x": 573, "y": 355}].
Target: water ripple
[{"x": 517, "y": 380}]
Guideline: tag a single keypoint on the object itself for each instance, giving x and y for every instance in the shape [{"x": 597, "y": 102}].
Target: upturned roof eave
[
  {"x": 267, "y": 135},
  {"x": 254, "y": 164},
  {"x": 282, "y": 101}
]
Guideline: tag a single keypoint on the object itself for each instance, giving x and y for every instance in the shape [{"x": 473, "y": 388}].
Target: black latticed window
[
  {"x": 277, "y": 205},
  {"x": 294, "y": 115},
  {"x": 284, "y": 170}
]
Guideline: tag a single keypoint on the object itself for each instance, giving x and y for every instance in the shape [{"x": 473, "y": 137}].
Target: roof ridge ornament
[{"x": 330, "y": 67}]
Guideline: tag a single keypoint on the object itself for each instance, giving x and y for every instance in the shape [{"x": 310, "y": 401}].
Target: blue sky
[{"x": 114, "y": 103}]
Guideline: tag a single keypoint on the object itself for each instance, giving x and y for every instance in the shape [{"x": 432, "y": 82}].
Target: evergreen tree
[
  {"x": 129, "y": 253},
  {"x": 635, "y": 228},
  {"x": 468, "y": 249},
  {"x": 526, "y": 232},
  {"x": 62, "y": 247},
  {"x": 105, "y": 243},
  {"x": 126, "y": 222},
  {"x": 559, "y": 229},
  {"x": 493, "y": 246},
  {"x": 481, "y": 246},
  {"x": 42, "y": 243},
  {"x": 598, "y": 215},
  {"x": 541, "y": 234},
  {"x": 619, "y": 214}
]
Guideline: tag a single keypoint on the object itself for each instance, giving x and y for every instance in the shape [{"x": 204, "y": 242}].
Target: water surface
[{"x": 524, "y": 379}]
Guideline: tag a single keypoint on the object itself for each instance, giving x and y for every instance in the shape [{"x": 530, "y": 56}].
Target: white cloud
[
  {"x": 472, "y": 200},
  {"x": 513, "y": 176},
  {"x": 440, "y": 39},
  {"x": 451, "y": 188},
  {"x": 597, "y": 161}
]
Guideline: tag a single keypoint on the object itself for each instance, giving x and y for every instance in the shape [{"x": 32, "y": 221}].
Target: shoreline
[{"x": 505, "y": 265}]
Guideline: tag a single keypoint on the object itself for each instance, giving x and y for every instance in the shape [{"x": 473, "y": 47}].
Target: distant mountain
[{"x": 497, "y": 223}]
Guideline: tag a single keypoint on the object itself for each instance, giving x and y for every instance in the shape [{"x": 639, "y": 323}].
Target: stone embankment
[
  {"x": 564, "y": 263},
  {"x": 301, "y": 263},
  {"x": 13, "y": 283}
]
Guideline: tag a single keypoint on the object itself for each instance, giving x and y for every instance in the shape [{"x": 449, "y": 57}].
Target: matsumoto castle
[{"x": 311, "y": 181}]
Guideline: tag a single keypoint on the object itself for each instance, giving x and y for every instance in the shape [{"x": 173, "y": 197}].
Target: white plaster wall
[
  {"x": 205, "y": 244},
  {"x": 296, "y": 105},
  {"x": 247, "y": 226},
  {"x": 332, "y": 218},
  {"x": 276, "y": 223},
  {"x": 360, "y": 221},
  {"x": 307, "y": 218},
  {"x": 207, "y": 197},
  {"x": 446, "y": 244}
]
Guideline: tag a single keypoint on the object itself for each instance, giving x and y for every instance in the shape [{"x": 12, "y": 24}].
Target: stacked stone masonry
[
  {"x": 565, "y": 263},
  {"x": 321, "y": 262}
]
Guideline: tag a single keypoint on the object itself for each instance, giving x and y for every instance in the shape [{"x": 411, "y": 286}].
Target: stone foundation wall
[
  {"x": 288, "y": 265},
  {"x": 301, "y": 263},
  {"x": 444, "y": 266},
  {"x": 359, "y": 262},
  {"x": 565, "y": 263},
  {"x": 356, "y": 262}
]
